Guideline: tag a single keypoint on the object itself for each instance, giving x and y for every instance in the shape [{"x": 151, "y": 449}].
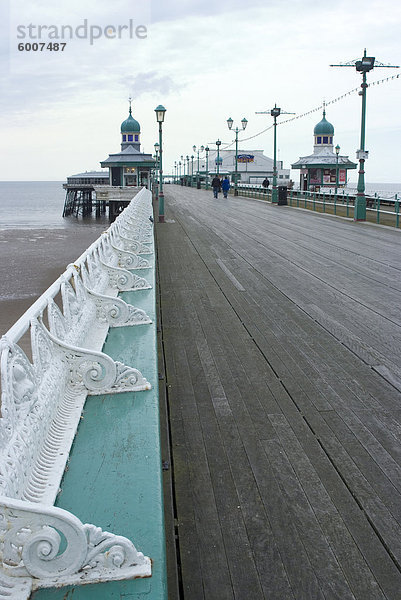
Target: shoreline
[{"x": 31, "y": 260}]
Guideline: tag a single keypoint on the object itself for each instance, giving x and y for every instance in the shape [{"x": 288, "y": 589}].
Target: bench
[{"x": 41, "y": 404}]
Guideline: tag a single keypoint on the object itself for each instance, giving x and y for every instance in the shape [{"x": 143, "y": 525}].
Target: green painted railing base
[{"x": 114, "y": 474}]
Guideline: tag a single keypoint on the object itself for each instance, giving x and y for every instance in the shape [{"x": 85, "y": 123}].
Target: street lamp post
[
  {"x": 160, "y": 113},
  {"x": 207, "y": 168},
  {"x": 179, "y": 169},
  {"x": 187, "y": 180},
  {"x": 175, "y": 171},
  {"x": 363, "y": 66},
  {"x": 198, "y": 150},
  {"x": 157, "y": 148},
  {"x": 337, "y": 153},
  {"x": 275, "y": 112},
  {"x": 244, "y": 123},
  {"x": 218, "y": 144},
  {"x": 192, "y": 170}
]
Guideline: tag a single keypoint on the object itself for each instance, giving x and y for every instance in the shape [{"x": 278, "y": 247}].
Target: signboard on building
[{"x": 246, "y": 158}]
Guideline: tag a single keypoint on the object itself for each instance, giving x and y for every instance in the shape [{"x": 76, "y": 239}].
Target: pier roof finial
[
  {"x": 130, "y": 125},
  {"x": 324, "y": 127}
]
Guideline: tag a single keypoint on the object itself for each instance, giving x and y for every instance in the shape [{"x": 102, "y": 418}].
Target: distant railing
[
  {"x": 382, "y": 210},
  {"x": 385, "y": 211},
  {"x": 42, "y": 398}
]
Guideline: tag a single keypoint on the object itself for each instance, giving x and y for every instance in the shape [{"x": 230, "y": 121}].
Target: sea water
[
  {"x": 37, "y": 205},
  {"x": 383, "y": 190}
]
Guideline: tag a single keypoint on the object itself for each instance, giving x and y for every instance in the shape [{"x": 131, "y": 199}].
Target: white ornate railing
[{"x": 41, "y": 403}]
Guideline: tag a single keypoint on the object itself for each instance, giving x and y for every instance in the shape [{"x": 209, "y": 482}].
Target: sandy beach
[{"x": 32, "y": 259}]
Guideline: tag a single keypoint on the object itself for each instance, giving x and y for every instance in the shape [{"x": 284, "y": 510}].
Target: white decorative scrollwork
[
  {"x": 131, "y": 245},
  {"x": 124, "y": 280},
  {"x": 96, "y": 372},
  {"x": 19, "y": 386},
  {"x": 41, "y": 405},
  {"x": 129, "y": 260},
  {"x": 51, "y": 547},
  {"x": 117, "y": 313}
]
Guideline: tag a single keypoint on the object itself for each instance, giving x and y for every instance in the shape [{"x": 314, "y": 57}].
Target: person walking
[
  {"x": 225, "y": 186},
  {"x": 216, "y": 185},
  {"x": 265, "y": 183}
]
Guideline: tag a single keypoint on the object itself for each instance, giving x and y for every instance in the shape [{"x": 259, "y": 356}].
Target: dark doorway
[{"x": 116, "y": 176}]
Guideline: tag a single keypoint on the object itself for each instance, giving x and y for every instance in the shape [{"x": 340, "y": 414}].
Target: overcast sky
[{"x": 204, "y": 61}]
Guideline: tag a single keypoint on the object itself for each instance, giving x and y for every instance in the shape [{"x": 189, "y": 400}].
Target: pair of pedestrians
[{"x": 218, "y": 185}]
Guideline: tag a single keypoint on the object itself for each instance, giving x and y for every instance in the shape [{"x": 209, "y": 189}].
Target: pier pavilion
[
  {"x": 130, "y": 166},
  {"x": 325, "y": 167},
  {"x": 124, "y": 174}
]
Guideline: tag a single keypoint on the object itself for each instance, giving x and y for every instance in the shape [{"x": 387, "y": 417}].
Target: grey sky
[{"x": 205, "y": 61}]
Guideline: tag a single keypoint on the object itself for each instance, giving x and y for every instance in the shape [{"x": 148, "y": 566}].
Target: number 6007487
[{"x": 42, "y": 46}]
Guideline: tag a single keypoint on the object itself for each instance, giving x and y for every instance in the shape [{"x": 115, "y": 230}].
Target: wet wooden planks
[{"x": 286, "y": 443}]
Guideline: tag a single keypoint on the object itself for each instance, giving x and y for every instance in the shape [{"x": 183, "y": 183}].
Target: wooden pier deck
[{"x": 281, "y": 339}]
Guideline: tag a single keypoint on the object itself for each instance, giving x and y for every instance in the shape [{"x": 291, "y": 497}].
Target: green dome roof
[
  {"x": 130, "y": 124},
  {"x": 324, "y": 127}
]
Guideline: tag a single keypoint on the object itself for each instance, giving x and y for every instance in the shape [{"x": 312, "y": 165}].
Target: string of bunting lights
[{"x": 309, "y": 112}]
